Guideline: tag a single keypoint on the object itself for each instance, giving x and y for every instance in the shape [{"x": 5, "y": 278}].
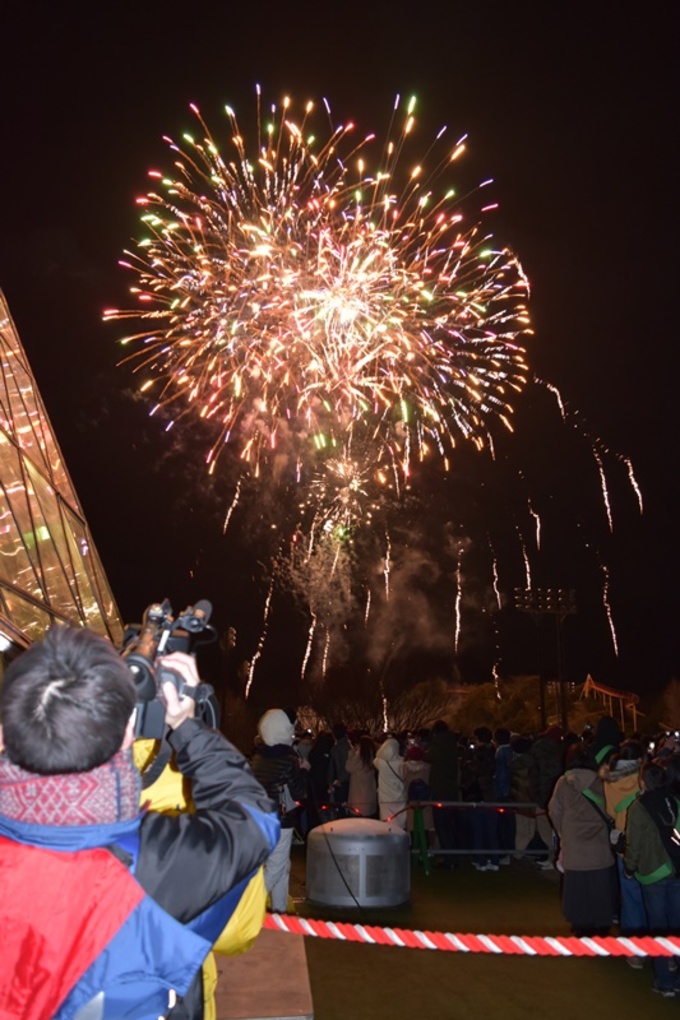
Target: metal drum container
[{"x": 358, "y": 862}]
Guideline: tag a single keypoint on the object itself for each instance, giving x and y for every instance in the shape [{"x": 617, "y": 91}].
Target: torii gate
[{"x": 626, "y": 699}]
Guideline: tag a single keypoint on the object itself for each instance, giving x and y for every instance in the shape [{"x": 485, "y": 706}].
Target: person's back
[
  {"x": 391, "y": 786},
  {"x": 283, "y": 773},
  {"x": 93, "y": 892},
  {"x": 442, "y": 755}
]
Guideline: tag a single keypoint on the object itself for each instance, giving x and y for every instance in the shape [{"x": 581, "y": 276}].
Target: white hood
[{"x": 276, "y": 728}]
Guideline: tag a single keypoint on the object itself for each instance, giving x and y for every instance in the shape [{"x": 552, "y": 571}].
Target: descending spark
[
  {"x": 284, "y": 298},
  {"x": 605, "y": 491},
  {"x": 537, "y": 519},
  {"x": 310, "y": 641},
  {"x": 497, "y": 661},
  {"x": 263, "y": 635},
  {"x": 605, "y": 602},
  {"x": 556, "y": 393},
  {"x": 527, "y": 565},
  {"x": 232, "y": 507},
  {"x": 494, "y": 571},
  {"x": 633, "y": 481},
  {"x": 595, "y": 443},
  {"x": 459, "y": 595},
  {"x": 386, "y": 568},
  {"x": 368, "y": 607},
  {"x": 383, "y": 698},
  {"x": 326, "y": 648}
]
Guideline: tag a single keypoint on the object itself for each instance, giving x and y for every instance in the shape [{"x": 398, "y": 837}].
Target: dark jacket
[
  {"x": 442, "y": 755},
  {"x": 547, "y": 752},
  {"x": 649, "y": 835},
  {"x": 478, "y": 773},
  {"x": 278, "y": 767}
]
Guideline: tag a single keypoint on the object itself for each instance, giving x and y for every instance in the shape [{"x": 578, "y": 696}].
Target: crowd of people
[
  {"x": 108, "y": 908},
  {"x": 600, "y": 807}
]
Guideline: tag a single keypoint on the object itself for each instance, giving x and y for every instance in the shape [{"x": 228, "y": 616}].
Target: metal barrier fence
[{"x": 422, "y": 849}]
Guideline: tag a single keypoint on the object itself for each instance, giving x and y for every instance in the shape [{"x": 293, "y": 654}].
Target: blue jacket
[{"x": 83, "y": 921}]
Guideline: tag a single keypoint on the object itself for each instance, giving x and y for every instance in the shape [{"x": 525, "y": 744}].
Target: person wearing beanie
[
  {"x": 606, "y": 740},
  {"x": 283, "y": 773}
]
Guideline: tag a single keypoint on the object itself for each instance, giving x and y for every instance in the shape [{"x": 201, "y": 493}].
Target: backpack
[
  {"x": 662, "y": 808},
  {"x": 418, "y": 789}
]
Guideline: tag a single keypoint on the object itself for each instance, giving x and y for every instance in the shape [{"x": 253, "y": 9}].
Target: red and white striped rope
[{"x": 517, "y": 945}]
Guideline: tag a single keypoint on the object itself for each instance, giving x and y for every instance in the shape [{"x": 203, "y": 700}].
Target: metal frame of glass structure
[{"x": 49, "y": 567}]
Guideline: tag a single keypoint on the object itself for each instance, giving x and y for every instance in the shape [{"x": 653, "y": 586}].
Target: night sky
[{"x": 571, "y": 109}]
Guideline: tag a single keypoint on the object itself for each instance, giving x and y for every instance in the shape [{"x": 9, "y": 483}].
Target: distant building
[{"x": 49, "y": 567}]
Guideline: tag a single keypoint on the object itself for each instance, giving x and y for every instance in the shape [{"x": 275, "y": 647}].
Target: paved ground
[{"x": 363, "y": 982}]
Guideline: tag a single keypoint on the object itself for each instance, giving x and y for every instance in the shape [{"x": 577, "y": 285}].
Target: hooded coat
[
  {"x": 583, "y": 832},
  {"x": 391, "y": 785},
  {"x": 277, "y": 766},
  {"x": 621, "y": 787}
]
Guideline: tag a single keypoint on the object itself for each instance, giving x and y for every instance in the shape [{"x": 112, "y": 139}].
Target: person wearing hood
[
  {"x": 391, "y": 786},
  {"x": 652, "y": 857},
  {"x": 621, "y": 785},
  {"x": 606, "y": 740},
  {"x": 283, "y": 773},
  {"x": 577, "y": 813}
]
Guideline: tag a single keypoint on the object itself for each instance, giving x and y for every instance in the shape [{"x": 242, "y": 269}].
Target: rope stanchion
[{"x": 515, "y": 945}]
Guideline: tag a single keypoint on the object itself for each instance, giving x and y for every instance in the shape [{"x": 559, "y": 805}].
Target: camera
[{"x": 160, "y": 633}]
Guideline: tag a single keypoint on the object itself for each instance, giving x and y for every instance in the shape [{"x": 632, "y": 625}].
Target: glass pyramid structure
[{"x": 49, "y": 567}]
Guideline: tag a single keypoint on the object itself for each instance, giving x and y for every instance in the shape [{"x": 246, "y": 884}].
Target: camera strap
[{"x": 154, "y": 769}]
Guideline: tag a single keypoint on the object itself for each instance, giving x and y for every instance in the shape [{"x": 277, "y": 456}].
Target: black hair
[
  {"x": 366, "y": 750},
  {"x": 65, "y": 703},
  {"x": 654, "y": 775},
  {"x": 579, "y": 755},
  {"x": 673, "y": 775}
]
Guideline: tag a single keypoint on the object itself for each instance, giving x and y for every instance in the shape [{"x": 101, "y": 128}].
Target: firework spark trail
[
  {"x": 633, "y": 481},
  {"x": 494, "y": 669},
  {"x": 326, "y": 650},
  {"x": 527, "y": 565},
  {"x": 459, "y": 595},
  {"x": 274, "y": 288},
  {"x": 310, "y": 641},
  {"x": 607, "y": 607},
  {"x": 558, "y": 396},
  {"x": 537, "y": 520},
  {"x": 494, "y": 575},
  {"x": 605, "y": 491},
  {"x": 595, "y": 443},
  {"x": 386, "y": 569},
  {"x": 232, "y": 507},
  {"x": 263, "y": 635},
  {"x": 368, "y": 607}
]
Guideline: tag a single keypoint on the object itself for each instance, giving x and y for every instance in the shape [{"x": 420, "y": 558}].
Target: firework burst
[{"x": 301, "y": 297}]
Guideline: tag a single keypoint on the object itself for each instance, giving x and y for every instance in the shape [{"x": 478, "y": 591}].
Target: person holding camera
[{"x": 107, "y": 911}]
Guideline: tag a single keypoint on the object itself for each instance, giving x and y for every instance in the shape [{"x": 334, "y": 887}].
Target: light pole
[{"x": 560, "y": 603}]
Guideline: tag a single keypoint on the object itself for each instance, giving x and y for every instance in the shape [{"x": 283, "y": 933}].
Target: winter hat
[{"x": 275, "y": 727}]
